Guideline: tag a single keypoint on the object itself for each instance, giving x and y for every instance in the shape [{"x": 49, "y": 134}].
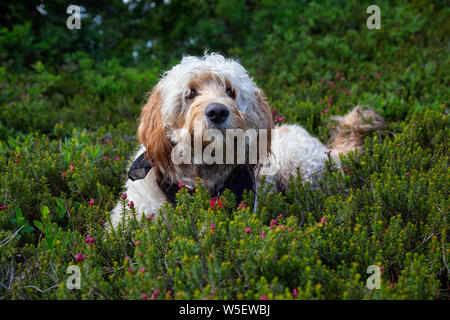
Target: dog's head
[{"x": 198, "y": 94}]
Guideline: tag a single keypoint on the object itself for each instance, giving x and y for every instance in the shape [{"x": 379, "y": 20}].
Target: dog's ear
[
  {"x": 265, "y": 114},
  {"x": 152, "y": 133}
]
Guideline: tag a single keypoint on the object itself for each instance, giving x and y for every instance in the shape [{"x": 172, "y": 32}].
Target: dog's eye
[
  {"x": 230, "y": 93},
  {"x": 191, "y": 94}
]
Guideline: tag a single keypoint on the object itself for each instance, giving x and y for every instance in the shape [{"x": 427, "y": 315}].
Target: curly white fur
[{"x": 175, "y": 83}]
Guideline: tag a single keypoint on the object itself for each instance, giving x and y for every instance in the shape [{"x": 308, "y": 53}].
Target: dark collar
[{"x": 239, "y": 180}]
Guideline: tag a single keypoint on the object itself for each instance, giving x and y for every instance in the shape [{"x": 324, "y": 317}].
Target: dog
[{"x": 215, "y": 94}]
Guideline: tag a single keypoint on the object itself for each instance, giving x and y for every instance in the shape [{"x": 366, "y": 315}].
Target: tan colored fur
[{"x": 349, "y": 130}]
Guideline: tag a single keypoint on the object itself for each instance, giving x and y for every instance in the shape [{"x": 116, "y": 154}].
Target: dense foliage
[{"x": 68, "y": 108}]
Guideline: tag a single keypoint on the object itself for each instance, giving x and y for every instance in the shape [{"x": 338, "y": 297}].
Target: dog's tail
[{"x": 348, "y": 131}]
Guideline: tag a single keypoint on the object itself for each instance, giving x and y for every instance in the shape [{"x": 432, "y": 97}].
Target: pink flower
[
  {"x": 3, "y": 207},
  {"x": 212, "y": 227},
  {"x": 248, "y": 230},
  {"x": 291, "y": 228},
  {"x": 274, "y": 221},
  {"x": 107, "y": 140},
  {"x": 280, "y": 216},
  {"x": 322, "y": 222},
  {"x": 117, "y": 158},
  {"x": 262, "y": 235},
  {"x": 407, "y": 173},
  {"x": 337, "y": 75},
  {"x": 377, "y": 75},
  {"x": 274, "y": 112},
  {"x": 131, "y": 204},
  {"x": 331, "y": 83},
  {"x": 137, "y": 242},
  {"x": 80, "y": 257},
  {"x": 89, "y": 239},
  {"x": 295, "y": 293},
  {"x": 263, "y": 298},
  {"x": 279, "y": 119},
  {"x": 144, "y": 296},
  {"x": 242, "y": 206},
  {"x": 326, "y": 111},
  {"x": 213, "y": 201},
  {"x": 105, "y": 158},
  {"x": 123, "y": 196},
  {"x": 181, "y": 185},
  {"x": 150, "y": 217},
  {"x": 142, "y": 270},
  {"x": 91, "y": 202},
  {"x": 155, "y": 294}
]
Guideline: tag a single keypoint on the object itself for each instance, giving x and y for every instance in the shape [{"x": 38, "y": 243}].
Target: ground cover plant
[{"x": 68, "y": 107}]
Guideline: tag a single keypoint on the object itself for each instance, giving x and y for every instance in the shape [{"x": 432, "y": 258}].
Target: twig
[
  {"x": 427, "y": 239},
  {"x": 442, "y": 240},
  {"x": 40, "y": 290},
  {"x": 8, "y": 239}
]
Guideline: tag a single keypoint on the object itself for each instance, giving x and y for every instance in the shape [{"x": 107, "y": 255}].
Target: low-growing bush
[{"x": 388, "y": 208}]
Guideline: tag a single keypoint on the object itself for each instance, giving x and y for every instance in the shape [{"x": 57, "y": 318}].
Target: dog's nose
[{"x": 217, "y": 112}]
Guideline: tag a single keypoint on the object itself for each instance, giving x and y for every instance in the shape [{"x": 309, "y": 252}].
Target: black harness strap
[
  {"x": 241, "y": 179},
  {"x": 139, "y": 168}
]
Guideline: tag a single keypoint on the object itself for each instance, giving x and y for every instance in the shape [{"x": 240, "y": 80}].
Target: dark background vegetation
[{"x": 68, "y": 107}]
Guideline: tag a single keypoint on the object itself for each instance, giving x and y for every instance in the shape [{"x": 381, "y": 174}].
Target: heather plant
[{"x": 68, "y": 109}]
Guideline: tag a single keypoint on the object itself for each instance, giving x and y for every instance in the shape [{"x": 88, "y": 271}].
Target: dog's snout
[{"x": 217, "y": 112}]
